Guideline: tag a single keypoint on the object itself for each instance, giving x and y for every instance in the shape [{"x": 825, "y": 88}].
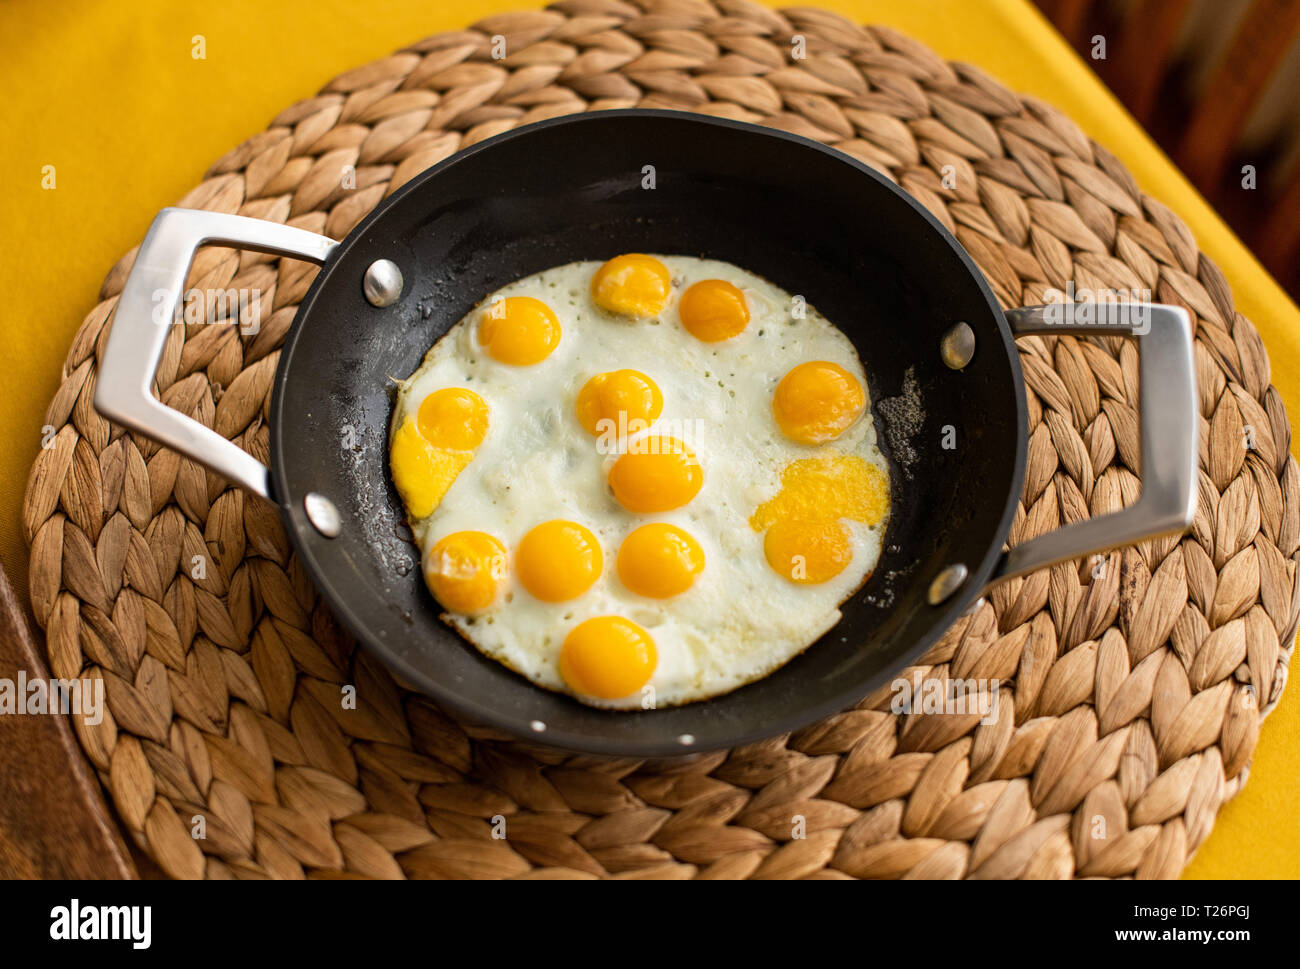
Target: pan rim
[{"x": 945, "y": 614}]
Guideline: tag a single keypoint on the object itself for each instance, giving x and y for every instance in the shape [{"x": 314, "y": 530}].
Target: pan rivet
[
  {"x": 686, "y": 739},
  {"x": 947, "y": 582},
  {"x": 322, "y": 514},
  {"x": 537, "y": 726},
  {"x": 958, "y": 346},
  {"x": 383, "y": 283}
]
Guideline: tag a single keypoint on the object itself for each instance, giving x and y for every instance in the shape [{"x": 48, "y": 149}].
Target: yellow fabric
[{"x": 110, "y": 95}]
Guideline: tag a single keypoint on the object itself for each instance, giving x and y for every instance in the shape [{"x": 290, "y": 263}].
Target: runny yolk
[
  {"x": 558, "y": 560},
  {"x": 607, "y": 657},
  {"x": 808, "y": 552},
  {"x": 659, "y": 560},
  {"x": 657, "y": 473},
  {"x": 714, "y": 310},
  {"x": 432, "y": 447},
  {"x": 817, "y": 401},
  {"x": 632, "y": 285},
  {"x": 465, "y": 571},
  {"x": 453, "y": 418},
  {"x": 807, "y": 540},
  {"x": 607, "y": 395},
  {"x": 518, "y": 330}
]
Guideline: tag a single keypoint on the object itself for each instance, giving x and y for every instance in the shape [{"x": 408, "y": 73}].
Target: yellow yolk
[
  {"x": 453, "y": 418},
  {"x": 659, "y": 560},
  {"x": 518, "y": 330},
  {"x": 607, "y": 395},
  {"x": 806, "y": 540},
  {"x": 608, "y": 657},
  {"x": 713, "y": 310},
  {"x": 465, "y": 571},
  {"x": 422, "y": 472},
  {"x": 558, "y": 560},
  {"x": 632, "y": 285},
  {"x": 808, "y": 552},
  {"x": 829, "y": 485},
  {"x": 817, "y": 401},
  {"x": 430, "y": 449},
  {"x": 656, "y": 474}
]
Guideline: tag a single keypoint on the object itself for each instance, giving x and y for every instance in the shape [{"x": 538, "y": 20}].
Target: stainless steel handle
[
  {"x": 150, "y": 303},
  {"x": 1168, "y": 419}
]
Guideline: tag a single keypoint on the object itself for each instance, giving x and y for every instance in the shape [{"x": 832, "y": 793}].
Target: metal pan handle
[
  {"x": 150, "y": 303},
  {"x": 1168, "y": 419}
]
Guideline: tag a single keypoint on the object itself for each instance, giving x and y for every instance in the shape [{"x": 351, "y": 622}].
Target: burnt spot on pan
[{"x": 901, "y": 420}]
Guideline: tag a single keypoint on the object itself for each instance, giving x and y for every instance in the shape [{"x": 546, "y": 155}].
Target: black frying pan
[{"x": 810, "y": 219}]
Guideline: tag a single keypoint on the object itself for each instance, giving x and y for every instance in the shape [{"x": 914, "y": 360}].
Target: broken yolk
[
  {"x": 806, "y": 540},
  {"x": 431, "y": 448}
]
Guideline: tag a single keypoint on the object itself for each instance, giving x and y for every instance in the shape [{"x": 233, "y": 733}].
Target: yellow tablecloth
[{"x": 110, "y": 95}]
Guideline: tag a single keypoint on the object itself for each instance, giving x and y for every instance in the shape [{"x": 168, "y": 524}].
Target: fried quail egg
[{"x": 642, "y": 482}]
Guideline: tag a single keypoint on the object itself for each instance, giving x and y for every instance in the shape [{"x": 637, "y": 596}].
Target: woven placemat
[{"x": 1132, "y": 689}]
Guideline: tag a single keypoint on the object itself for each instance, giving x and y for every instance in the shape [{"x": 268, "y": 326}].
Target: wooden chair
[
  {"x": 1202, "y": 137},
  {"x": 54, "y": 821}
]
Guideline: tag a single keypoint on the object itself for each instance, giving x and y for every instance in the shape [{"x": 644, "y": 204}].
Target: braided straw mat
[{"x": 1132, "y": 692}]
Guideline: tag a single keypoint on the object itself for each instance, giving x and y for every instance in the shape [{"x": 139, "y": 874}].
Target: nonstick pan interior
[{"x": 811, "y": 220}]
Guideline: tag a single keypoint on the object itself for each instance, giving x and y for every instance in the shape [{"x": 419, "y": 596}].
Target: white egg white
[{"x": 740, "y": 620}]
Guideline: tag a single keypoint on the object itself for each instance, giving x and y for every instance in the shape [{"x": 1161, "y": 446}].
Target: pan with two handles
[{"x": 939, "y": 355}]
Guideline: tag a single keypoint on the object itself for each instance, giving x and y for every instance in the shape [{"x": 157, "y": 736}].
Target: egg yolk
[
  {"x": 607, "y": 395},
  {"x": 558, "y": 560},
  {"x": 430, "y": 449},
  {"x": 714, "y": 310},
  {"x": 608, "y": 657},
  {"x": 453, "y": 418},
  {"x": 807, "y": 552},
  {"x": 659, "y": 561},
  {"x": 422, "y": 473},
  {"x": 656, "y": 474},
  {"x": 465, "y": 571},
  {"x": 632, "y": 285},
  {"x": 817, "y": 401},
  {"x": 806, "y": 539},
  {"x": 518, "y": 330},
  {"x": 829, "y": 485}
]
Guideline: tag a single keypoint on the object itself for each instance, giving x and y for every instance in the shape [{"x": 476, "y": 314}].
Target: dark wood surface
[
  {"x": 54, "y": 821},
  {"x": 1240, "y": 78},
  {"x": 1198, "y": 109},
  {"x": 1144, "y": 49}
]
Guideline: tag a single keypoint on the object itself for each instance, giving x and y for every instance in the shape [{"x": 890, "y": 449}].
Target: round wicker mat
[{"x": 1132, "y": 689}]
